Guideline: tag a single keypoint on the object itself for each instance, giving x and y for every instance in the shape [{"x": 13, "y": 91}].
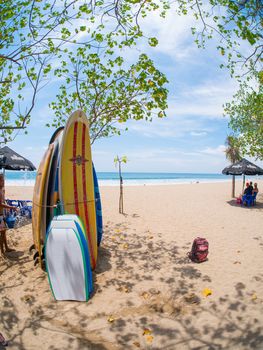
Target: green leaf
[{"x": 153, "y": 42}]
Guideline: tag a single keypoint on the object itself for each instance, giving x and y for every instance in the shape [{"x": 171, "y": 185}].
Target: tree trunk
[
  {"x": 121, "y": 191},
  {"x": 233, "y": 186},
  {"x": 121, "y": 198}
]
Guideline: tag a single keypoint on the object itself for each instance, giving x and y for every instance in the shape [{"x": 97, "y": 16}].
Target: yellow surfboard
[
  {"x": 39, "y": 202},
  {"x": 76, "y": 189}
]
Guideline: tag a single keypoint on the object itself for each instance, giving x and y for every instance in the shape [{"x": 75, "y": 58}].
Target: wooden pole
[
  {"x": 233, "y": 186},
  {"x": 121, "y": 190}
]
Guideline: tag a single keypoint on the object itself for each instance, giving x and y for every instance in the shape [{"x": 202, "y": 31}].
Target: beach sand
[{"x": 148, "y": 294}]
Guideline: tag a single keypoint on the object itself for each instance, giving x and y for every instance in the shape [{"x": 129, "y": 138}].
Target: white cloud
[
  {"x": 198, "y": 133},
  {"x": 204, "y": 99},
  {"x": 176, "y": 125},
  {"x": 214, "y": 151},
  {"x": 167, "y": 159},
  {"x": 173, "y": 33}
]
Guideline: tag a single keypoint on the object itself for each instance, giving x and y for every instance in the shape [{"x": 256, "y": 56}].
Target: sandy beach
[{"x": 148, "y": 294}]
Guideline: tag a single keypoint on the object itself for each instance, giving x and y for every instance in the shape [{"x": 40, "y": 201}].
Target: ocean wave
[{"x": 27, "y": 183}]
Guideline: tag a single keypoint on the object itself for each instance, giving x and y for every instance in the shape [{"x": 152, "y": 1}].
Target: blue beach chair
[
  {"x": 21, "y": 217},
  {"x": 252, "y": 199},
  {"x": 249, "y": 199},
  {"x": 24, "y": 206}
]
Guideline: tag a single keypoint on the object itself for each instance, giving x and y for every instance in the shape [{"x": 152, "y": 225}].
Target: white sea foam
[
  {"x": 136, "y": 182},
  {"x": 27, "y": 183},
  {"x": 151, "y": 182}
]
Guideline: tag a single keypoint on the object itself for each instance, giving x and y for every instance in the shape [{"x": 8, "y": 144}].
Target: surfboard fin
[
  {"x": 36, "y": 255},
  {"x": 43, "y": 265},
  {"x": 32, "y": 247}
]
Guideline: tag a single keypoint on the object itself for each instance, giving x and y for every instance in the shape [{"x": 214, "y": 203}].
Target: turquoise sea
[{"x": 22, "y": 178}]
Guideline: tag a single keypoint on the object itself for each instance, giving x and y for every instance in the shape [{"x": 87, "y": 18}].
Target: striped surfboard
[{"x": 76, "y": 185}]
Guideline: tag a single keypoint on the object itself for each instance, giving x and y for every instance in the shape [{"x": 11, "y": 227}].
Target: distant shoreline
[
  {"x": 136, "y": 183},
  {"x": 111, "y": 179}
]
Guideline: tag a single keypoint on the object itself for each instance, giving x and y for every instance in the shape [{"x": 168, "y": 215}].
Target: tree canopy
[
  {"x": 35, "y": 34},
  {"x": 237, "y": 27},
  {"x": 233, "y": 153},
  {"x": 39, "y": 36},
  {"x": 246, "y": 117},
  {"x": 109, "y": 92}
]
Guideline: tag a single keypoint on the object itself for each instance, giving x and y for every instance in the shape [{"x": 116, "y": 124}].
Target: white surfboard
[
  {"x": 66, "y": 265},
  {"x": 67, "y": 221}
]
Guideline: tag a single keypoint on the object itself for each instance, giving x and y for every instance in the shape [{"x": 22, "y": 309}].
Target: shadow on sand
[
  {"x": 171, "y": 314},
  {"x": 257, "y": 206}
]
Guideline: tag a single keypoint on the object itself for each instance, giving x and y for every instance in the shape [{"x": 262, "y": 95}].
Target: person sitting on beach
[
  {"x": 246, "y": 191},
  {"x": 255, "y": 189},
  {"x": 3, "y": 241},
  {"x": 250, "y": 188}
]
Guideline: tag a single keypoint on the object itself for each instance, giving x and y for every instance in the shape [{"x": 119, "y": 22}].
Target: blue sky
[{"x": 190, "y": 139}]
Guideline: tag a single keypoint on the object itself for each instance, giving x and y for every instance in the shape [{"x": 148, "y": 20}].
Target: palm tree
[{"x": 233, "y": 155}]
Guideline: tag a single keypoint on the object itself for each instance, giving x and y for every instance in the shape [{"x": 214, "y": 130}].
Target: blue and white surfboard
[
  {"x": 67, "y": 259},
  {"x": 98, "y": 207}
]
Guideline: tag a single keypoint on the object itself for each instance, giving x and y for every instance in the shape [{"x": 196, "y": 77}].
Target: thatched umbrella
[
  {"x": 10, "y": 160},
  {"x": 243, "y": 167}
]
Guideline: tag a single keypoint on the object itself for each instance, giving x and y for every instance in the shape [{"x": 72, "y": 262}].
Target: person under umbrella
[
  {"x": 9, "y": 160},
  {"x": 243, "y": 167},
  {"x": 3, "y": 241}
]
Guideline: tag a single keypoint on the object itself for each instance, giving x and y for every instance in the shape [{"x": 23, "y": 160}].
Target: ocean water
[{"x": 23, "y": 178}]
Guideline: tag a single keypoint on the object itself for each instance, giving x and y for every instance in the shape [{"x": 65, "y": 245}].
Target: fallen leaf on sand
[
  {"x": 147, "y": 331},
  {"x": 206, "y": 292},
  {"x": 26, "y": 298},
  {"x": 150, "y": 237},
  {"x": 145, "y": 295},
  {"x": 125, "y": 246},
  {"x": 137, "y": 344},
  {"x": 237, "y": 262},
  {"x": 122, "y": 237},
  {"x": 124, "y": 289},
  {"x": 149, "y": 339},
  {"x": 113, "y": 238},
  {"x": 111, "y": 319},
  {"x": 254, "y": 296},
  {"x": 117, "y": 230}
]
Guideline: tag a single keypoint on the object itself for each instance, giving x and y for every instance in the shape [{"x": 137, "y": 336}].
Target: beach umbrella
[
  {"x": 243, "y": 167},
  {"x": 10, "y": 160}
]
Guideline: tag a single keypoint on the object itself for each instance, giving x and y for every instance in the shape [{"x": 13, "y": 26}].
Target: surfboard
[
  {"x": 69, "y": 217},
  {"x": 98, "y": 207},
  {"x": 66, "y": 262},
  {"x": 39, "y": 202},
  {"x": 52, "y": 188},
  {"x": 76, "y": 187},
  {"x": 55, "y": 134},
  {"x": 74, "y": 222},
  {"x": 51, "y": 184}
]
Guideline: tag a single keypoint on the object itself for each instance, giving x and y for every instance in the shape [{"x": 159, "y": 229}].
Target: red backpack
[{"x": 199, "y": 250}]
